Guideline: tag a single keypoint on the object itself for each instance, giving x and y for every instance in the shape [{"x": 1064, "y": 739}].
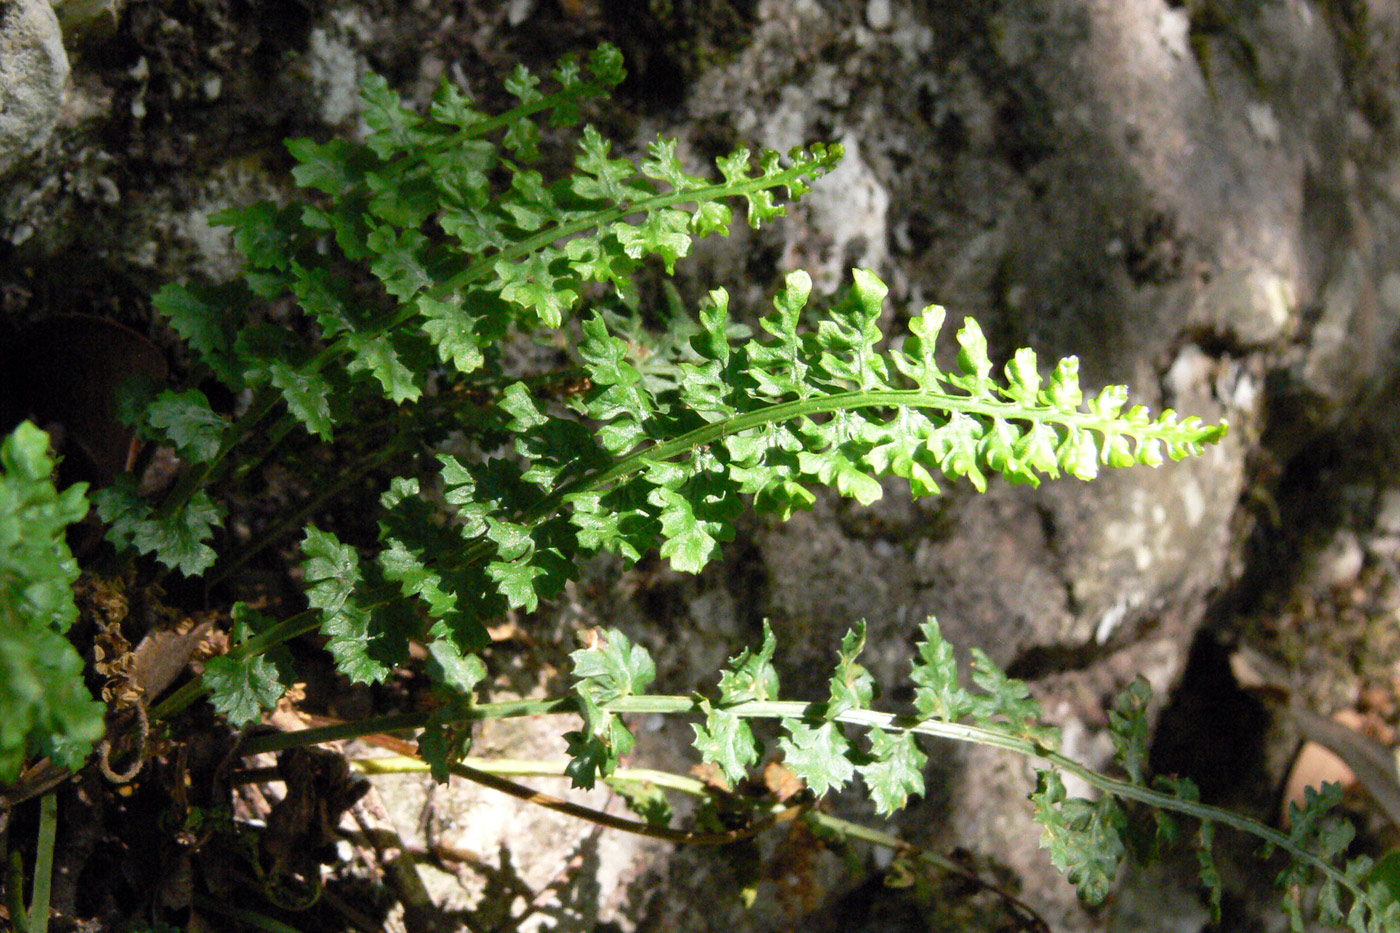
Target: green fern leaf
[
  {"x": 46, "y": 706},
  {"x": 332, "y": 167},
  {"x": 1209, "y": 873},
  {"x": 394, "y": 126},
  {"x": 937, "y": 694},
  {"x": 1006, "y": 700},
  {"x": 1085, "y": 839},
  {"x": 819, "y": 755},
  {"x": 178, "y": 539},
  {"x": 188, "y": 421},
  {"x": 852, "y": 687},
  {"x": 460, "y": 672},
  {"x": 378, "y": 356},
  {"x": 688, "y": 541},
  {"x": 751, "y": 675},
  {"x": 895, "y": 770},
  {"x": 307, "y": 395},
  {"x": 664, "y": 233},
  {"x": 203, "y": 317},
  {"x": 242, "y": 687},
  {"x": 1128, "y": 727},
  {"x": 726, "y": 740},
  {"x": 399, "y": 261},
  {"x": 264, "y": 233},
  {"x": 451, "y": 330},
  {"x": 532, "y": 286},
  {"x": 332, "y": 574},
  {"x": 613, "y": 667}
]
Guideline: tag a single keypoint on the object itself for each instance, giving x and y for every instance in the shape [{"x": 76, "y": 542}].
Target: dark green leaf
[
  {"x": 178, "y": 540},
  {"x": 750, "y": 675},
  {"x": 895, "y": 770},
  {"x": 242, "y": 687},
  {"x": 938, "y": 695},
  {"x": 199, "y": 317},
  {"x": 1085, "y": 839},
  {"x": 533, "y": 287},
  {"x": 644, "y": 799},
  {"x": 613, "y": 667},
  {"x": 188, "y": 421},
  {"x": 852, "y": 687},
  {"x": 688, "y": 541},
  {"x": 1128, "y": 725},
  {"x": 378, "y": 356},
  {"x": 726, "y": 740},
  {"x": 399, "y": 261},
  {"x": 451, "y": 330},
  {"x": 307, "y": 394},
  {"x": 327, "y": 167},
  {"x": 332, "y": 573},
  {"x": 819, "y": 755}
]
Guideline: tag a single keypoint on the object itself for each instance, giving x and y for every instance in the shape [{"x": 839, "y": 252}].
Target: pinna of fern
[
  {"x": 418, "y": 252},
  {"x": 628, "y": 469}
]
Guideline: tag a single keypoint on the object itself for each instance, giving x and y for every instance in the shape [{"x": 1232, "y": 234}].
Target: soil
[{"x": 1196, "y": 197}]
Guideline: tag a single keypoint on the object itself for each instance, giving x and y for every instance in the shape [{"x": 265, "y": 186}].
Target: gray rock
[
  {"x": 88, "y": 21},
  {"x": 1252, "y": 306},
  {"x": 33, "y": 72}
]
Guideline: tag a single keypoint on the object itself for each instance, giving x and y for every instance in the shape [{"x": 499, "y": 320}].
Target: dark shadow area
[{"x": 1212, "y": 732}]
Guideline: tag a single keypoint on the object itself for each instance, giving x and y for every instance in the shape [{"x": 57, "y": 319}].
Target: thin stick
[
  {"x": 14, "y": 893},
  {"x": 549, "y": 802},
  {"x": 43, "y": 864},
  {"x": 262, "y": 922}
]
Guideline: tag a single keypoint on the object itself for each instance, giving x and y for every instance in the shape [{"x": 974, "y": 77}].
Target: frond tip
[{"x": 828, "y": 407}]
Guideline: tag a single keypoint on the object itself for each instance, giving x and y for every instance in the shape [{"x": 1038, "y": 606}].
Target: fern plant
[
  {"x": 46, "y": 707},
  {"x": 381, "y": 316}
]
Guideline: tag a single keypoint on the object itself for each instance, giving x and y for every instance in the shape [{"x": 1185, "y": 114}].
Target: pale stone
[
  {"x": 1253, "y": 306},
  {"x": 33, "y": 73}
]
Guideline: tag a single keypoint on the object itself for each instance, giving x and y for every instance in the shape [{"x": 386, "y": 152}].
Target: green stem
[
  {"x": 301, "y": 623},
  {"x": 294, "y": 520},
  {"x": 198, "y": 476},
  {"x": 789, "y": 411},
  {"x": 43, "y": 864},
  {"x": 279, "y": 432},
  {"x": 789, "y": 709},
  {"x": 14, "y": 892},
  {"x": 252, "y": 918}
]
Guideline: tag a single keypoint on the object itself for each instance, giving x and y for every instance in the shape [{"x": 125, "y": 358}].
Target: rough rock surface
[
  {"x": 1205, "y": 212},
  {"x": 33, "y": 72}
]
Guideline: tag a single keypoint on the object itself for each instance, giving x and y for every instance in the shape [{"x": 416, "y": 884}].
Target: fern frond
[{"x": 47, "y": 707}]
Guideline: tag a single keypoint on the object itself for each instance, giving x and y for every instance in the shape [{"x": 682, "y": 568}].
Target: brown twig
[{"x": 559, "y": 805}]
